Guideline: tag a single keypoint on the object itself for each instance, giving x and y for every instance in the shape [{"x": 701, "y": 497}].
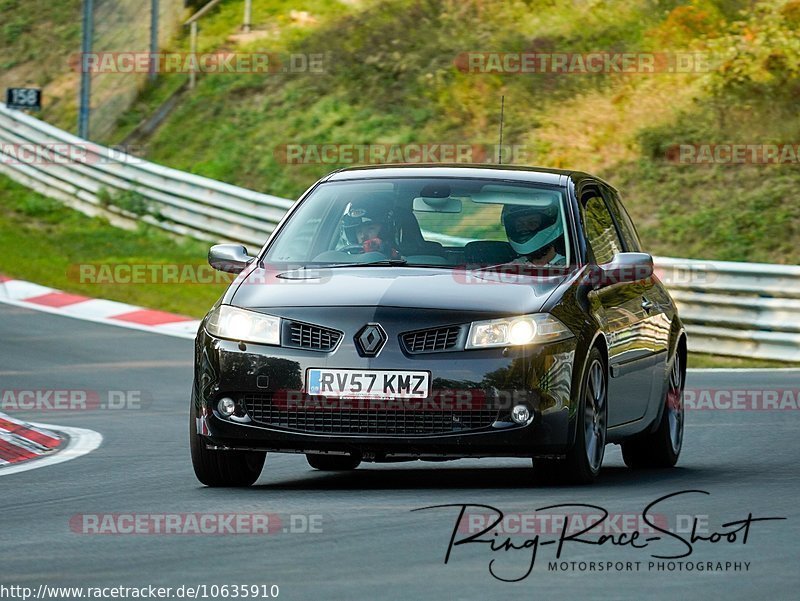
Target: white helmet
[{"x": 526, "y": 242}]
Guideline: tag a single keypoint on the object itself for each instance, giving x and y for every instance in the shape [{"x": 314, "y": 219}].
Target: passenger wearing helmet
[
  {"x": 534, "y": 232},
  {"x": 370, "y": 224}
]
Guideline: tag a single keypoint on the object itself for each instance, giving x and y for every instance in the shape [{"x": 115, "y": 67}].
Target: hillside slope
[
  {"x": 395, "y": 73},
  {"x": 40, "y": 45}
]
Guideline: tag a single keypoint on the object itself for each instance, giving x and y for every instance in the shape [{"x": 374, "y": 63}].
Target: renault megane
[{"x": 440, "y": 312}]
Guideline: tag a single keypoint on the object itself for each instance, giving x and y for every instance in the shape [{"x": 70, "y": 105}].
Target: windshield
[{"x": 443, "y": 222}]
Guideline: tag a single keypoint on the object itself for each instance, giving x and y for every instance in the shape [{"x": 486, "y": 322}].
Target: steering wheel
[{"x": 352, "y": 249}]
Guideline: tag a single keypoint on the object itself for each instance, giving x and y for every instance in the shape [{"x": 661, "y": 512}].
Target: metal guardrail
[
  {"x": 736, "y": 309},
  {"x": 180, "y": 202}
]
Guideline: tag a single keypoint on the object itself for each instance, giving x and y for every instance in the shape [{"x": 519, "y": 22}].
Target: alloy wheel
[{"x": 594, "y": 418}]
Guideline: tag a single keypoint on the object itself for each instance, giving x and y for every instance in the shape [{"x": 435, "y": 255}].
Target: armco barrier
[
  {"x": 736, "y": 309},
  {"x": 179, "y": 202}
]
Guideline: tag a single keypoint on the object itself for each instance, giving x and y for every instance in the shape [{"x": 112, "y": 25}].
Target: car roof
[{"x": 505, "y": 172}]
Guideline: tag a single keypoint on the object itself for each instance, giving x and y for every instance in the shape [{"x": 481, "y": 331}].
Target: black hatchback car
[{"x": 441, "y": 312}]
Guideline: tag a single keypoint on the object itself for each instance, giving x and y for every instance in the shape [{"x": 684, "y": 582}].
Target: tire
[
  {"x": 333, "y": 463},
  {"x": 222, "y": 468},
  {"x": 661, "y": 448},
  {"x": 584, "y": 459}
]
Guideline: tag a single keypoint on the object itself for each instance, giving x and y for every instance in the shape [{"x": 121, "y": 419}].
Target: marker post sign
[{"x": 29, "y": 99}]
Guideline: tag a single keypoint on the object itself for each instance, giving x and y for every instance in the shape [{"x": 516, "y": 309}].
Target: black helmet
[{"x": 365, "y": 211}]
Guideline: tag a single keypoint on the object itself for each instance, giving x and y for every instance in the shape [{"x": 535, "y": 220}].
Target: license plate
[{"x": 368, "y": 383}]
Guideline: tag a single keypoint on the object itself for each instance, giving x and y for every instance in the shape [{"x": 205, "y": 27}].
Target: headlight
[
  {"x": 514, "y": 331},
  {"x": 239, "y": 324}
]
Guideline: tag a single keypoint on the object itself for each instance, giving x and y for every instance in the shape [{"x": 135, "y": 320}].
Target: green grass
[
  {"x": 272, "y": 17},
  {"x": 37, "y": 38},
  {"x": 149, "y": 101},
  {"x": 36, "y": 30},
  {"x": 761, "y": 224},
  {"x": 390, "y": 77},
  {"x": 46, "y": 242}
]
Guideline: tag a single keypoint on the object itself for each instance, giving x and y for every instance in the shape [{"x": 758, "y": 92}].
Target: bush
[
  {"x": 34, "y": 205},
  {"x": 760, "y": 55},
  {"x": 127, "y": 200}
]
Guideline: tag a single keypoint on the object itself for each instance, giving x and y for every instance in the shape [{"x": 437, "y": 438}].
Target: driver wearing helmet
[
  {"x": 369, "y": 224},
  {"x": 533, "y": 232}
]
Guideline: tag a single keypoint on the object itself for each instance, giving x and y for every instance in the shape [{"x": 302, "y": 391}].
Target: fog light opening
[
  {"x": 521, "y": 414},
  {"x": 226, "y": 406}
]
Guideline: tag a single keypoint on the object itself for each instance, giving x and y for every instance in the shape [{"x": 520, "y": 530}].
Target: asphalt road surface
[{"x": 366, "y": 543}]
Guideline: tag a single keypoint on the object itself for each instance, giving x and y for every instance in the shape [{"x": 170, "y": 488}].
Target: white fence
[{"x": 736, "y": 309}]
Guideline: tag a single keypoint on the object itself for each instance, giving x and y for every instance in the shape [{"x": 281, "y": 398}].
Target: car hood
[{"x": 422, "y": 288}]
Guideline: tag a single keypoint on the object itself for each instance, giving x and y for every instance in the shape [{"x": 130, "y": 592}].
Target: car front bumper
[{"x": 539, "y": 376}]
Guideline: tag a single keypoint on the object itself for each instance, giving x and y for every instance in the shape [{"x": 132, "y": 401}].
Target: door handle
[{"x": 647, "y": 305}]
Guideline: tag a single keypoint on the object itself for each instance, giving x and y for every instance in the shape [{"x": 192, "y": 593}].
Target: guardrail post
[
  {"x": 248, "y": 14},
  {"x": 193, "y": 50},
  {"x": 153, "y": 38},
  {"x": 86, "y": 75}
]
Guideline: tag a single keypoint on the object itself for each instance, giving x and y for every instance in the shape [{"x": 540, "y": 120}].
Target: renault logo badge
[{"x": 370, "y": 340}]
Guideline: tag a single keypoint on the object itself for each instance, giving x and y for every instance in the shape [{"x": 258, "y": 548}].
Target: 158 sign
[{"x": 24, "y": 98}]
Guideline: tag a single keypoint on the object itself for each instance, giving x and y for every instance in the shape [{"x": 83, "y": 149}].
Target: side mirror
[
  {"x": 232, "y": 258},
  {"x": 626, "y": 268}
]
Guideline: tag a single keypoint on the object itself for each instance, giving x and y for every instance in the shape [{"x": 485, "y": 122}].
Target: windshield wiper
[
  {"x": 380, "y": 262},
  {"x": 524, "y": 268}
]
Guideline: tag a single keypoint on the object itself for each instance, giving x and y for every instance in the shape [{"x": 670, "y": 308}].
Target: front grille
[
  {"x": 431, "y": 341},
  {"x": 365, "y": 420},
  {"x": 308, "y": 336}
]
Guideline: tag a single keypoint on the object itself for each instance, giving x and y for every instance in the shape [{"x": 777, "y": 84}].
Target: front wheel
[
  {"x": 222, "y": 468},
  {"x": 585, "y": 457},
  {"x": 662, "y": 447}
]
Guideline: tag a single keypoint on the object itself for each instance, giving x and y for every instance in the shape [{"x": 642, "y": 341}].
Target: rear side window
[
  {"x": 624, "y": 222},
  {"x": 601, "y": 234}
]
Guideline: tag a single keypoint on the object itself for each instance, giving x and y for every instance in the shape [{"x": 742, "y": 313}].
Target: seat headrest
[{"x": 489, "y": 252}]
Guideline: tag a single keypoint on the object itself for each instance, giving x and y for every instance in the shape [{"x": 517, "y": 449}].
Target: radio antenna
[{"x": 500, "y": 147}]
